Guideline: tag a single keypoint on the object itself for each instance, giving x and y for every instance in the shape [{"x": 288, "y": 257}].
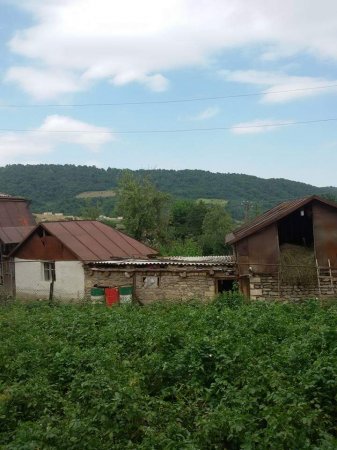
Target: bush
[{"x": 226, "y": 375}]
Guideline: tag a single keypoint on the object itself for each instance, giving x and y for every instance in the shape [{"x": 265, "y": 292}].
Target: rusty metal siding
[
  {"x": 259, "y": 251},
  {"x": 242, "y": 256},
  {"x": 90, "y": 240},
  {"x": 15, "y": 213},
  {"x": 14, "y": 235},
  {"x": 46, "y": 248},
  {"x": 264, "y": 253},
  {"x": 272, "y": 216},
  {"x": 325, "y": 234}
]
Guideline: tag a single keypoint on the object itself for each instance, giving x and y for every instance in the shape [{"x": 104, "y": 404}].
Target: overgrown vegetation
[
  {"x": 181, "y": 227},
  {"x": 227, "y": 375}
]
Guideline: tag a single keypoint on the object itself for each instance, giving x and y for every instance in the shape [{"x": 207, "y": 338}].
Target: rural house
[
  {"x": 289, "y": 251},
  {"x": 51, "y": 260},
  {"x": 16, "y": 221}
]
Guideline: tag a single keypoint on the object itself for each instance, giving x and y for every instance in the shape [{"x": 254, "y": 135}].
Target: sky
[{"x": 177, "y": 84}]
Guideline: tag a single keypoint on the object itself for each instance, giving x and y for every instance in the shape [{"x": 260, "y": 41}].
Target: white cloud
[
  {"x": 45, "y": 84},
  {"x": 206, "y": 114},
  {"x": 298, "y": 86},
  {"x": 257, "y": 126},
  {"x": 133, "y": 41},
  {"x": 46, "y": 138}
]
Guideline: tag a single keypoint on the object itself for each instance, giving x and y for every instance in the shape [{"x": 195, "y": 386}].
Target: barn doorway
[
  {"x": 297, "y": 228},
  {"x": 224, "y": 285}
]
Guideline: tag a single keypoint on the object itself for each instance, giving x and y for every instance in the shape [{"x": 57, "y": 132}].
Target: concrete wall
[
  {"x": 30, "y": 283},
  {"x": 173, "y": 284}
]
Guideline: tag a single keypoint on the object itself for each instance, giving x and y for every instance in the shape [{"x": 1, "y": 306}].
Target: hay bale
[{"x": 297, "y": 265}]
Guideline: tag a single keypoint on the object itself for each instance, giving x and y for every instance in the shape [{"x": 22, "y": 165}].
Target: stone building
[{"x": 176, "y": 278}]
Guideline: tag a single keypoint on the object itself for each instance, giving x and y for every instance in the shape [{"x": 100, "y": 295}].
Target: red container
[{"x": 111, "y": 297}]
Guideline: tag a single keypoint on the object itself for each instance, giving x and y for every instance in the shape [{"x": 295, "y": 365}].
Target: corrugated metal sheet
[
  {"x": 90, "y": 240},
  {"x": 14, "y": 235},
  {"x": 271, "y": 216},
  {"x": 175, "y": 261},
  {"x": 14, "y": 212},
  {"x": 325, "y": 235},
  {"x": 221, "y": 259}
]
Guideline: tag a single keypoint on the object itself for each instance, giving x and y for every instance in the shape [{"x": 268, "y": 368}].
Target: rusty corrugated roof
[
  {"x": 273, "y": 215},
  {"x": 91, "y": 240},
  {"x": 14, "y": 235},
  {"x": 15, "y": 212}
]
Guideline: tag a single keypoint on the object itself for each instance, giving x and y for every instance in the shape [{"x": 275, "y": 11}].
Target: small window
[
  {"x": 151, "y": 282},
  {"x": 49, "y": 271}
]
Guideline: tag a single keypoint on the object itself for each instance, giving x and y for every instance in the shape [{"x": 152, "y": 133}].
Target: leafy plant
[{"x": 224, "y": 375}]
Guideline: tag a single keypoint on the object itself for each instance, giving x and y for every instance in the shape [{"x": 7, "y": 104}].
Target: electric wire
[
  {"x": 177, "y": 130},
  {"x": 158, "y": 102}
]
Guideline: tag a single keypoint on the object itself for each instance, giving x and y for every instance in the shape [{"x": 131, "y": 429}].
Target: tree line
[
  {"x": 54, "y": 187},
  {"x": 174, "y": 226}
]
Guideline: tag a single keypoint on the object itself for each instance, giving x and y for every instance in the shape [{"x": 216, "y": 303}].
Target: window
[
  {"x": 49, "y": 271},
  {"x": 151, "y": 282}
]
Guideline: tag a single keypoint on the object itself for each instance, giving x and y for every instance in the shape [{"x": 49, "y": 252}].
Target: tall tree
[
  {"x": 187, "y": 218},
  {"x": 217, "y": 223},
  {"x": 145, "y": 210}
]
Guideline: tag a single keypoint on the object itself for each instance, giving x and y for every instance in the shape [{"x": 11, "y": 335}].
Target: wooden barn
[{"x": 307, "y": 226}]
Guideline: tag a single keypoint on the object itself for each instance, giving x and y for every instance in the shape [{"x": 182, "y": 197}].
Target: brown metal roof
[
  {"x": 14, "y": 235},
  {"x": 15, "y": 212},
  {"x": 273, "y": 215},
  {"x": 91, "y": 240}
]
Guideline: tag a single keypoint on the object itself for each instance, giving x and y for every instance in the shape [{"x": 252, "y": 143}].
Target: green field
[
  {"x": 221, "y": 376},
  {"x": 213, "y": 201},
  {"x": 97, "y": 194}
]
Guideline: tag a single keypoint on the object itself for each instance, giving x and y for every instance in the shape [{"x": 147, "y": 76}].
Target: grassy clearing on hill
[
  {"x": 96, "y": 194},
  {"x": 220, "y": 376}
]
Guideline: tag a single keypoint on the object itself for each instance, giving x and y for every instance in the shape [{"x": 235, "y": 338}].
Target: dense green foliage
[
  {"x": 54, "y": 187},
  {"x": 220, "y": 376},
  {"x": 181, "y": 227},
  {"x": 145, "y": 210}
]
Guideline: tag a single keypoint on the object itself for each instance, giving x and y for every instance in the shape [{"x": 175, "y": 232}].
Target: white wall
[{"x": 29, "y": 280}]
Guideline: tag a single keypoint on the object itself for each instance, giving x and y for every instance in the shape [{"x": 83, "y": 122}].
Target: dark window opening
[
  {"x": 297, "y": 228},
  {"x": 49, "y": 271},
  {"x": 225, "y": 286}
]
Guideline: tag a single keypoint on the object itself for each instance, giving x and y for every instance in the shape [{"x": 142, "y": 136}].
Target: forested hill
[{"x": 54, "y": 187}]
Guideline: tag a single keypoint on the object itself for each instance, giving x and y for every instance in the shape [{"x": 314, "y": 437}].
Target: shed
[{"x": 309, "y": 223}]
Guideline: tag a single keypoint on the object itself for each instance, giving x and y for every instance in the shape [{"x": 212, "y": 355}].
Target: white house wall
[{"x": 29, "y": 280}]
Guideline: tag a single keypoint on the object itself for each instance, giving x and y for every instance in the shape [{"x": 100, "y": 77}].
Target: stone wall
[
  {"x": 267, "y": 287},
  {"x": 164, "y": 284}
]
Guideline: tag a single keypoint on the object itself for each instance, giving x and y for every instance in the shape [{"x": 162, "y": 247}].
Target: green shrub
[{"x": 226, "y": 375}]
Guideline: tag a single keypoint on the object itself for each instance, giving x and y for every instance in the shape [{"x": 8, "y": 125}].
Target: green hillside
[{"x": 55, "y": 187}]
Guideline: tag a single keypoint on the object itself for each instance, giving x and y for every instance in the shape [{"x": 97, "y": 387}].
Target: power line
[
  {"x": 177, "y": 130},
  {"x": 159, "y": 102}
]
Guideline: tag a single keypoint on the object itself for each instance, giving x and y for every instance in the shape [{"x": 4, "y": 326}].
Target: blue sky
[{"x": 59, "y": 52}]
